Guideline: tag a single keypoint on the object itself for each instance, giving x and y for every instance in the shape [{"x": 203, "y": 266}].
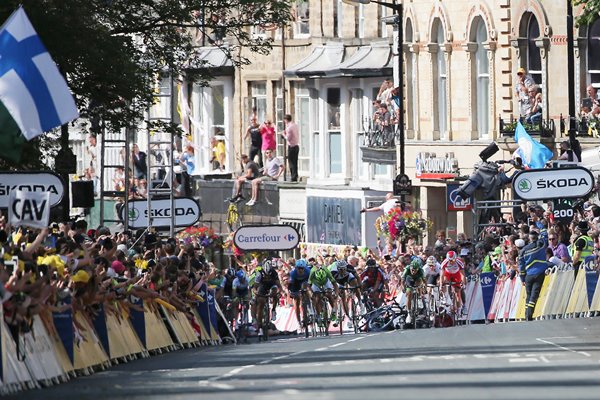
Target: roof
[
  {"x": 323, "y": 58},
  {"x": 368, "y": 61},
  {"x": 214, "y": 59}
]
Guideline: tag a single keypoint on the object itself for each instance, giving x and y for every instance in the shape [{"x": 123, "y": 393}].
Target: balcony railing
[
  {"x": 380, "y": 144},
  {"x": 584, "y": 127},
  {"x": 544, "y": 128}
]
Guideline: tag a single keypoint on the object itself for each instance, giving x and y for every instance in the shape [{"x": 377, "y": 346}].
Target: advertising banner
[
  {"x": 454, "y": 202},
  {"x": 333, "y": 220},
  {"x": 37, "y": 182},
  {"x": 186, "y": 210},
  {"x": 541, "y": 184},
  {"x": 266, "y": 237}
]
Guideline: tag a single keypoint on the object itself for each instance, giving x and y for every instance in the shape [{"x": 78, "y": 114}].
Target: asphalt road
[{"x": 558, "y": 359}]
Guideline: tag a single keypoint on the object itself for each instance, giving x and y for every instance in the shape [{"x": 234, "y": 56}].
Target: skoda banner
[
  {"x": 541, "y": 184},
  {"x": 186, "y": 210},
  {"x": 35, "y": 182},
  {"x": 266, "y": 237}
]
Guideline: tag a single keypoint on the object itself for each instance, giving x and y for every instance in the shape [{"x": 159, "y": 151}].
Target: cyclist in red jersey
[{"x": 453, "y": 273}]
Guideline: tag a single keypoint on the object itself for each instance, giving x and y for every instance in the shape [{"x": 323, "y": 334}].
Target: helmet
[
  {"x": 267, "y": 266},
  {"x": 431, "y": 260},
  {"x": 451, "y": 255},
  {"x": 241, "y": 275},
  {"x": 371, "y": 262},
  {"x": 341, "y": 264},
  {"x": 301, "y": 263},
  {"x": 416, "y": 263}
]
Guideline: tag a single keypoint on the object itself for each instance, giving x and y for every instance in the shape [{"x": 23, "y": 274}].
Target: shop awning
[
  {"x": 214, "y": 59},
  {"x": 368, "y": 61},
  {"x": 322, "y": 59}
]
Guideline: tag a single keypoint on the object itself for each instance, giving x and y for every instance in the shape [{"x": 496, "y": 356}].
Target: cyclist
[
  {"x": 372, "y": 280},
  {"x": 322, "y": 281},
  {"x": 453, "y": 274},
  {"x": 239, "y": 291},
  {"x": 299, "y": 281},
  {"x": 412, "y": 278},
  {"x": 345, "y": 279},
  {"x": 267, "y": 284},
  {"x": 432, "y": 271}
]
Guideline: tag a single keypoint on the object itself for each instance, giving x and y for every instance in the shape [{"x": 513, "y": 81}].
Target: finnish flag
[{"x": 31, "y": 87}]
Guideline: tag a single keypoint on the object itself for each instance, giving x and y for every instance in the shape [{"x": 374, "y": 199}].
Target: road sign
[
  {"x": 562, "y": 210},
  {"x": 453, "y": 200}
]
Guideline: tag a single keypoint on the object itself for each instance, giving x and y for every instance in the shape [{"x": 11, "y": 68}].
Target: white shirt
[{"x": 273, "y": 166}]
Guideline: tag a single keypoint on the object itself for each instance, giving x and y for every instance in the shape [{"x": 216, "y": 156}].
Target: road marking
[
  {"x": 358, "y": 338},
  {"x": 321, "y": 349},
  {"x": 337, "y": 345},
  {"x": 522, "y": 360},
  {"x": 583, "y": 353}
]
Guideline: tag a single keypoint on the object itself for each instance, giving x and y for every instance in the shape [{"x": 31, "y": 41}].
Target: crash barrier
[
  {"x": 564, "y": 294},
  {"x": 58, "y": 346}
]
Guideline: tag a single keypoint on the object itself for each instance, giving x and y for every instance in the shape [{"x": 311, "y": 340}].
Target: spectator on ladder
[
  {"x": 533, "y": 265},
  {"x": 138, "y": 158}
]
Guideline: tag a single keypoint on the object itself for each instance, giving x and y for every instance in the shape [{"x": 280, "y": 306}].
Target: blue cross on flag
[{"x": 31, "y": 87}]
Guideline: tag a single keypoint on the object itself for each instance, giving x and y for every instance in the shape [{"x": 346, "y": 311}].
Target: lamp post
[{"x": 397, "y": 8}]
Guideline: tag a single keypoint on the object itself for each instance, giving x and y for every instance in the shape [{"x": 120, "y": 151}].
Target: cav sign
[
  {"x": 266, "y": 237},
  {"x": 541, "y": 184},
  {"x": 187, "y": 213},
  {"x": 35, "y": 182},
  {"x": 29, "y": 209}
]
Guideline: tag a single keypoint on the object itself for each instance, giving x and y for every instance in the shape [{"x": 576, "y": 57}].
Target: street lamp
[{"x": 397, "y": 8}]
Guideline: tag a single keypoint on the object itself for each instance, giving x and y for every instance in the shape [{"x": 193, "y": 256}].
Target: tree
[
  {"x": 590, "y": 11},
  {"x": 113, "y": 51}
]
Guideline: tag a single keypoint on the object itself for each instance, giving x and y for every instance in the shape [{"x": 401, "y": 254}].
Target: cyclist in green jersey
[
  {"x": 412, "y": 278},
  {"x": 322, "y": 281}
]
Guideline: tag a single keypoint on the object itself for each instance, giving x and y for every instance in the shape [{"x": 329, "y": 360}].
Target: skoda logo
[
  {"x": 524, "y": 185},
  {"x": 133, "y": 214}
]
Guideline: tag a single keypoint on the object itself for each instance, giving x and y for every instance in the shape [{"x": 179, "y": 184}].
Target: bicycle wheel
[
  {"x": 354, "y": 314},
  {"x": 325, "y": 314},
  {"x": 380, "y": 319},
  {"x": 305, "y": 318},
  {"x": 340, "y": 315},
  {"x": 266, "y": 317}
]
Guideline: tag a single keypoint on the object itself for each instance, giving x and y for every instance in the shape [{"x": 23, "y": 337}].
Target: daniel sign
[
  {"x": 540, "y": 184},
  {"x": 266, "y": 237}
]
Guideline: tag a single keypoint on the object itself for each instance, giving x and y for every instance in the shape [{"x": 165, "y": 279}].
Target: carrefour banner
[
  {"x": 333, "y": 220},
  {"x": 488, "y": 285}
]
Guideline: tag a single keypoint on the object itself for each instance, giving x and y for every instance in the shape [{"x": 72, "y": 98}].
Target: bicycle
[
  {"x": 353, "y": 306},
  {"x": 243, "y": 324},
  {"x": 385, "y": 317},
  {"x": 323, "y": 319},
  {"x": 308, "y": 315},
  {"x": 264, "y": 323}
]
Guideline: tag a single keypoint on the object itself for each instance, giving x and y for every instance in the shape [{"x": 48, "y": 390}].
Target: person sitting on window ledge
[
  {"x": 272, "y": 172},
  {"x": 534, "y": 115},
  {"x": 251, "y": 172}
]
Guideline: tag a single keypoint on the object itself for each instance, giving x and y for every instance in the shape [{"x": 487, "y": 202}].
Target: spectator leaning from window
[
  {"x": 272, "y": 172},
  {"x": 524, "y": 81},
  {"x": 590, "y": 106}
]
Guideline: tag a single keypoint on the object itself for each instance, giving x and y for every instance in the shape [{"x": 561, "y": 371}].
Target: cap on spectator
[
  {"x": 81, "y": 276},
  {"x": 103, "y": 230},
  {"x": 122, "y": 247},
  {"x": 583, "y": 226},
  {"x": 520, "y": 243},
  {"x": 118, "y": 267},
  {"x": 587, "y": 206},
  {"x": 521, "y": 71}
]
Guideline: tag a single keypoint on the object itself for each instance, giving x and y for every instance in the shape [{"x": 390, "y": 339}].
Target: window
[
  {"x": 360, "y": 120},
  {"x": 359, "y": 24},
  {"x": 334, "y": 130},
  {"x": 300, "y": 12},
  {"x": 218, "y": 109},
  {"x": 303, "y": 121},
  {"x": 383, "y": 28},
  {"x": 534, "y": 58},
  {"x": 317, "y": 161},
  {"x": 440, "y": 81},
  {"x": 482, "y": 68},
  {"x": 258, "y": 100},
  {"x": 593, "y": 50},
  {"x": 338, "y": 20}
]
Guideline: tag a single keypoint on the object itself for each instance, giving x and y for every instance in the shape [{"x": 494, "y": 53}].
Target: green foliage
[
  {"x": 112, "y": 52},
  {"x": 591, "y": 11}
]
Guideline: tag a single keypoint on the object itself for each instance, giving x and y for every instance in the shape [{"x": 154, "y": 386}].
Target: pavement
[{"x": 556, "y": 359}]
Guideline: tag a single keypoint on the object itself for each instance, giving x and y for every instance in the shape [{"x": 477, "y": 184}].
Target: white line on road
[
  {"x": 355, "y": 339},
  {"x": 337, "y": 345},
  {"x": 583, "y": 353},
  {"x": 522, "y": 360},
  {"x": 321, "y": 349}
]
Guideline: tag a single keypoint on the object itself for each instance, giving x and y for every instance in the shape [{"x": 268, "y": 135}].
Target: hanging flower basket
[{"x": 398, "y": 225}]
